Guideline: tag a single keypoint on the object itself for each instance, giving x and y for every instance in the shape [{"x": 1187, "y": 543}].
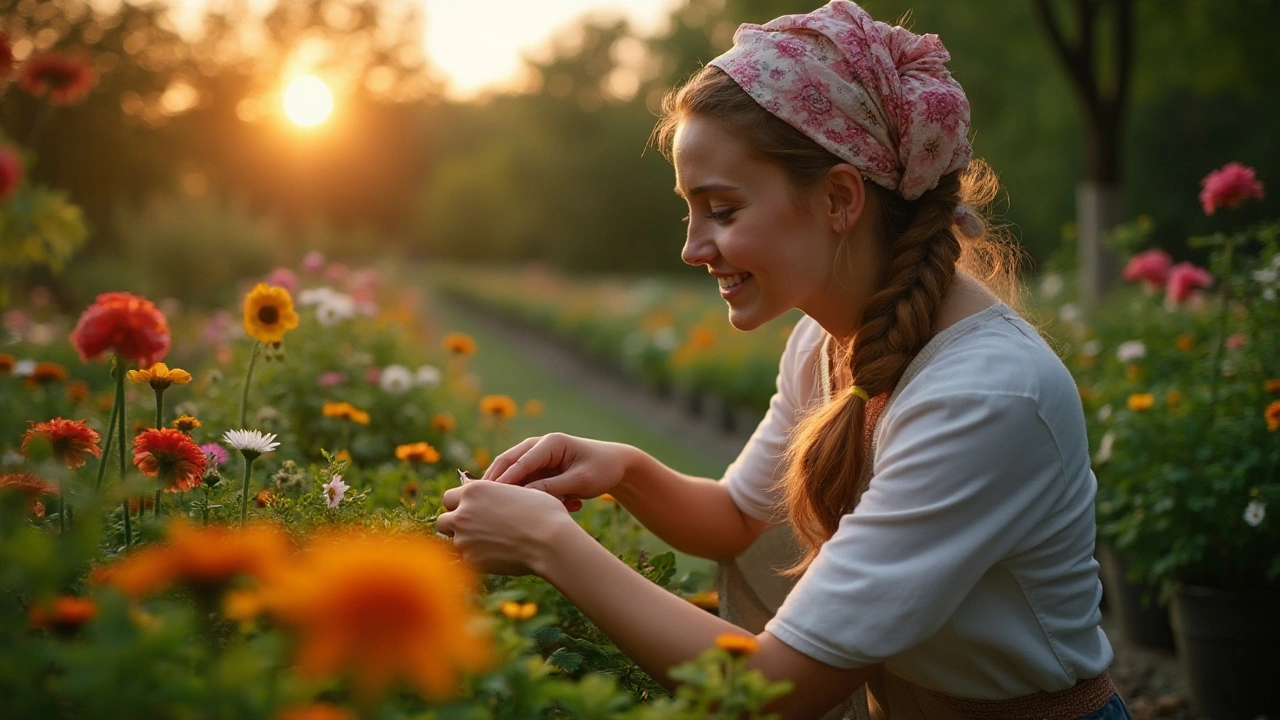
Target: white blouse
[{"x": 967, "y": 567}]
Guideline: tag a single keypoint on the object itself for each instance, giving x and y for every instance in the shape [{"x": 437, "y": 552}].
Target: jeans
[{"x": 1113, "y": 710}]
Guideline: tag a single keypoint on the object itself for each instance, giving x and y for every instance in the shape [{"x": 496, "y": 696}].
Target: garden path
[{"x": 1148, "y": 679}]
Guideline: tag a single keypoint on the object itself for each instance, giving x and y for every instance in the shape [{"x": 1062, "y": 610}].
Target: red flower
[
  {"x": 70, "y": 440},
  {"x": 31, "y": 486},
  {"x": 1231, "y": 185},
  {"x": 127, "y": 324},
  {"x": 1184, "y": 278},
  {"x": 6, "y": 57},
  {"x": 66, "y": 79},
  {"x": 65, "y": 614},
  {"x": 170, "y": 456},
  {"x": 1151, "y": 267},
  {"x": 10, "y": 169}
]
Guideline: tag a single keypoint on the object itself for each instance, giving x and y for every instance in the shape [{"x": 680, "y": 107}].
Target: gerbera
[
  {"x": 268, "y": 313},
  {"x": 345, "y": 411},
  {"x": 126, "y": 324},
  {"x": 64, "y": 78},
  {"x": 459, "y": 343},
  {"x": 501, "y": 407},
  {"x": 170, "y": 456},
  {"x": 185, "y": 423},
  {"x": 159, "y": 376},
  {"x": 69, "y": 440},
  {"x": 419, "y": 452},
  {"x": 46, "y": 372},
  {"x": 518, "y": 611},
  {"x": 65, "y": 614},
  {"x": 738, "y": 645},
  {"x": 381, "y": 608}
]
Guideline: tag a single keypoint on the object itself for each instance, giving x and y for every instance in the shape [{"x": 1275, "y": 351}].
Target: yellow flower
[
  {"x": 443, "y": 423},
  {"x": 1141, "y": 401},
  {"x": 739, "y": 645},
  {"x": 607, "y": 499},
  {"x": 499, "y": 406},
  {"x": 1273, "y": 416},
  {"x": 519, "y": 611},
  {"x": 185, "y": 423},
  {"x": 459, "y": 343},
  {"x": 381, "y": 608},
  {"x": 160, "y": 376},
  {"x": 418, "y": 452},
  {"x": 534, "y": 408},
  {"x": 343, "y": 455},
  {"x": 1185, "y": 343},
  {"x": 708, "y": 600},
  {"x": 268, "y": 313},
  {"x": 345, "y": 411}
]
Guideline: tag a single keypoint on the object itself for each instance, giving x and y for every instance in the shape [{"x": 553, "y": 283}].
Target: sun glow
[{"x": 307, "y": 101}]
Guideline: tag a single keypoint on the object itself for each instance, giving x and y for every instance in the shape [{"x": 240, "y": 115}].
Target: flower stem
[
  {"x": 159, "y": 409},
  {"x": 111, "y": 424},
  {"x": 244, "y": 509},
  {"x": 128, "y": 528},
  {"x": 1224, "y": 293},
  {"x": 62, "y": 506},
  {"x": 205, "y": 509},
  {"x": 128, "y": 531},
  {"x": 157, "y": 511},
  {"x": 248, "y": 377}
]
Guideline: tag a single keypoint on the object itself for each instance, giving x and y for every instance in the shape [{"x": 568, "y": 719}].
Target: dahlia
[
  {"x": 69, "y": 440},
  {"x": 170, "y": 456}
]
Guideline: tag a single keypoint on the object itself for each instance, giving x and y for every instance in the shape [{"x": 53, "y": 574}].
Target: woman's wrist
[
  {"x": 633, "y": 462},
  {"x": 555, "y": 544}
]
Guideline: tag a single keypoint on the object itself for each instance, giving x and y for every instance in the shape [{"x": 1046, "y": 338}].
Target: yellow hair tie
[{"x": 855, "y": 390}]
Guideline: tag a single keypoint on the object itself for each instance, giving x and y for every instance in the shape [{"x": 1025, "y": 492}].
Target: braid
[{"x": 828, "y": 451}]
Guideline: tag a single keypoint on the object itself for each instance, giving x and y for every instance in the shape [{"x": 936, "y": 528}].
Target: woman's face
[{"x": 769, "y": 246}]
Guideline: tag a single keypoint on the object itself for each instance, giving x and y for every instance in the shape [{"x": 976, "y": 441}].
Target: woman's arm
[{"x": 653, "y": 627}]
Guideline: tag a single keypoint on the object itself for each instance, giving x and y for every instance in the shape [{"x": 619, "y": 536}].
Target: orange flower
[
  {"x": 185, "y": 423},
  {"x": 160, "y": 377},
  {"x": 1133, "y": 372},
  {"x": 316, "y": 712},
  {"x": 418, "y": 452},
  {"x": 701, "y": 338},
  {"x": 269, "y": 313},
  {"x": 69, "y": 441},
  {"x": 1273, "y": 416},
  {"x": 170, "y": 456},
  {"x": 459, "y": 343},
  {"x": 1141, "y": 401},
  {"x": 607, "y": 499},
  {"x": 7, "y": 363},
  {"x": 45, "y": 373},
  {"x": 64, "y": 78},
  {"x": 345, "y": 411},
  {"x": 737, "y": 645},
  {"x": 264, "y": 498},
  {"x": 65, "y": 614},
  {"x": 410, "y": 488},
  {"x": 125, "y": 324},
  {"x": 31, "y": 486},
  {"x": 1185, "y": 342},
  {"x": 380, "y": 608},
  {"x": 519, "y": 611},
  {"x": 204, "y": 558},
  {"x": 707, "y": 600},
  {"x": 1273, "y": 385},
  {"x": 534, "y": 408},
  {"x": 77, "y": 391},
  {"x": 501, "y": 407},
  {"x": 443, "y": 423}
]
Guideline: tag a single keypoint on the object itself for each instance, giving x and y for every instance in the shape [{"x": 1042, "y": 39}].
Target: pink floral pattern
[{"x": 877, "y": 96}]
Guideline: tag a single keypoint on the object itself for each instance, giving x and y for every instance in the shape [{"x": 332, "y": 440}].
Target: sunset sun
[{"x": 307, "y": 101}]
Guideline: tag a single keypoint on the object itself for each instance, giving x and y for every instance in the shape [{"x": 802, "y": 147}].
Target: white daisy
[
  {"x": 334, "y": 309},
  {"x": 1104, "y": 449},
  {"x": 427, "y": 376},
  {"x": 315, "y": 296},
  {"x": 1131, "y": 350},
  {"x": 395, "y": 379},
  {"x": 251, "y": 443},
  {"x": 1254, "y": 513},
  {"x": 334, "y": 491}
]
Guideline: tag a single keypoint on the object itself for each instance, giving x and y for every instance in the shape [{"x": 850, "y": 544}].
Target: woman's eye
[{"x": 721, "y": 215}]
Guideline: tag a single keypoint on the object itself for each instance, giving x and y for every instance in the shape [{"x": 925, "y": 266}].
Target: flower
[
  {"x": 443, "y": 423},
  {"x": 501, "y": 407},
  {"x": 215, "y": 453},
  {"x": 160, "y": 377},
  {"x": 737, "y": 645},
  {"x": 6, "y": 57},
  {"x": 31, "y": 486},
  {"x": 1150, "y": 267},
  {"x": 396, "y": 379},
  {"x": 44, "y": 373},
  {"x": 459, "y": 343},
  {"x": 7, "y": 364},
  {"x": 64, "y": 78},
  {"x": 77, "y": 391},
  {"x": 534, "y": 408},
  {"x": 707, "y": 600},
  {"x": 1139, "y": 402},
  {"x": 317, "y": 711},
  {"x": 427, "y": 376},
  {"x": 380, "y": 608},
  {"x": 250, "y": 443},
  {"x": 1185, "y": 343},
  {"x": 1131, "y": 350},
  {"x": 1173, "y": 399},
  {"x": 313, "y": 261},
  {"x": 334, "y": 491},
  {"x": 65, "y": 614},
  {"x": 69, "y": 440},
  {"x": 1272, "y": 385},
  {"x": 130, "y": 326},
  {"x": 185, "y": 423},
  {"x": 518, "y": 611},
  {"x": 345, "y": 411},
  {"x": 1184, "y": 278},
  {"x": 330, "y": 378},
  {"x": 1272, "y": 414},
  {"x": 1254, "y": 512},
  {"x": 268, "y": 313},
  {"x": 10, "y": 171},
  {"x": 284, "y": 277},
  {"x": 170, "y": 456},
  {"x": 263, "y": 498},
  {"x": 419, "y": 452},
  {"x": 1229, "y": 186}
]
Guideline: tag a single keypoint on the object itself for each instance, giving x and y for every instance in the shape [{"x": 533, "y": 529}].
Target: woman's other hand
[
  {"x": 568, "y": 467},
  {"x": 502, "y": 529}
]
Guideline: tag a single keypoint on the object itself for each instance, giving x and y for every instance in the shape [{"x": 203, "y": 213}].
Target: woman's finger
[
  {"x": 504, "y": 461},
  {"x": 561, "y": 486},
  {"x": 451, "y": 498},
  {"x": 444, "y": 524},
  {"x": 547, "y": 453}
]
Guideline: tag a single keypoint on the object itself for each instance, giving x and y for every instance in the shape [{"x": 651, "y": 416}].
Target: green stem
[
  {"x": 159, "y": 409},
  {"x": 1224, "y": 293},
  {"x": 157, "y": 511},
  {"x": 120, "y": 425},
  {"x": 128, "y": 527},
  {"x": 62, "y": 506},
  {"x": 205, "y": 509},
  {"x": 248, "y": 377},
  {"x": 111, "y": 424},
  {"x": 244, "y": 509}
]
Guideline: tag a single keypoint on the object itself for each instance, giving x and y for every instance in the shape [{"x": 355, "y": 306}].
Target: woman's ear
[{"x": 846, "y": 196}]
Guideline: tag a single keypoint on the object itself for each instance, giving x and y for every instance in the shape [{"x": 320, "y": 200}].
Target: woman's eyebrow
[{"x": 703, "y": 189}]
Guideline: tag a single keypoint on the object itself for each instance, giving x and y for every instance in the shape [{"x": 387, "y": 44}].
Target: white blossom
[
  {"x": 666, "y": 338},
  {"x": 334, "y": 491},
  {"x": 1091, "y": 348},
  {"x": 1051, "y": 286},
  {"x": 1104, "y": 449},
  {"x": 427, "y": 376},
  {"x": 458, "y": 452},
  {"x": 251, "y": 441},
  {"x": 1104, "y": 413},
  {"x": 1131, "y": 350},
  {"x": 1069, "y": 313},
  {"x": 1254, "y": 513},
  {"x": 24, "y": 368},
  {"x": 395, "y": 379}
]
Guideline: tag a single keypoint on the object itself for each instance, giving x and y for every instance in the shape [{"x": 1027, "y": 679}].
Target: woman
[{"x": 925, "y": 444}]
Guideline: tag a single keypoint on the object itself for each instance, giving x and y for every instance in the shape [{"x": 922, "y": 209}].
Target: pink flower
[
  {"x": 1151, "y": 267},
  {"x": 373, "y": 375},
  {"x": 1235, "y": 341},
  {"x": 10, "y": 171},
  {"x": 336, "y": 272},
  {"x": 1184, "y": 279},
  {"x": 285, "y": 278},
  {"x": 313, "y": 262},
  {"x": 1228, "y": 187},
  {"x": 330, "y": 378}
]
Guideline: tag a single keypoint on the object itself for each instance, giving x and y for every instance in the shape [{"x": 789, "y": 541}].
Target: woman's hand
[
  {"x": 568, "y": 467},
  {"x": 502, "y": 529}
]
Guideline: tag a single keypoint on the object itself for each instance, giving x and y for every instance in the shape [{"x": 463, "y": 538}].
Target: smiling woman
[{"x": 307, "y": 101}]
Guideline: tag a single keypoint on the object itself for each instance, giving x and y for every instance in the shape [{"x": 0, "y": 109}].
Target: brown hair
[{"x": 827, "y": 451}]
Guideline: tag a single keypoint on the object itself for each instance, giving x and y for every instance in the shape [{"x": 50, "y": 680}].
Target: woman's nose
[{"x": 697, "y": 250}]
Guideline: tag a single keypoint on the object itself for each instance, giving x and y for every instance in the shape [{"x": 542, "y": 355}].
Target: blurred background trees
[{"x": 181, "y": 160}]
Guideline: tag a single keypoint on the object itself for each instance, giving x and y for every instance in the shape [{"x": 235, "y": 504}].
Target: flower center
[{"x": 269, "y": 314}]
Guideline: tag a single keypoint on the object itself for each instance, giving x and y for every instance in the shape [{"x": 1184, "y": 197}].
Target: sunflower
[
  {"x": 170, "y": 456},
  {"x": 64, "y": 78},
  {"x": 159, "y": 376},
  {"x": 738, "y": 645},
  {"x": 380, "y": 608},
  {"x": 69, "y": 440},
  {"x": 268, "y": 313},
  {"x": 501, "y": 407},
  {"x": 459, "y": 343},
  {"x": 130, "y": 326},
  {"x": 418, "y": 452},
  {"x": 345, "y": 411}
]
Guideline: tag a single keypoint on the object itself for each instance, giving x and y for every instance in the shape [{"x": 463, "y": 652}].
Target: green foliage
[{"x": 39, "y": 228}]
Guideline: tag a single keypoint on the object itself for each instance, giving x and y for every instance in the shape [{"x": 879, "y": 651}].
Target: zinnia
[
  {"x": 31, "y": 486},
  {"x": 10, "y": 171},
  {"x": 126, "y": 324},
  {"x": 269, "y": 313},
  {"x": 64, "y": 78},
  {"x": 499, "y": 406},
  {"x": 1151, "y": 267},
  {"x": 1229, "y": 187},
  {"x": 1184, "y": 279},
  {"x": 419, "y": 452},
  {"x": 170, "y": 456},
  {"x": 69, "y": 440},
  {"x": 459, "y": 343}
]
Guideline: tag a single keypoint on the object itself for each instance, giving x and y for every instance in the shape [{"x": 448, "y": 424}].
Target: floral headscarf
[{"x": 878, "y": 97}]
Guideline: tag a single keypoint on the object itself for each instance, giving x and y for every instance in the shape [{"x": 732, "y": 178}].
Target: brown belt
[{"x": 892, "y": 698}]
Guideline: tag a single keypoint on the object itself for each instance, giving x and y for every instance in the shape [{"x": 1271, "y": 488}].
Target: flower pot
[
  {"x": 1142, "y": 624},
  {"x": 1229, "y": 650}
]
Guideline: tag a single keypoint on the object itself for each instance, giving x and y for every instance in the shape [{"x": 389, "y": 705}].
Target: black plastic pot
[
  {"x": 1229, "y": 650},
  {"x": 1144, "y": 624}
]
